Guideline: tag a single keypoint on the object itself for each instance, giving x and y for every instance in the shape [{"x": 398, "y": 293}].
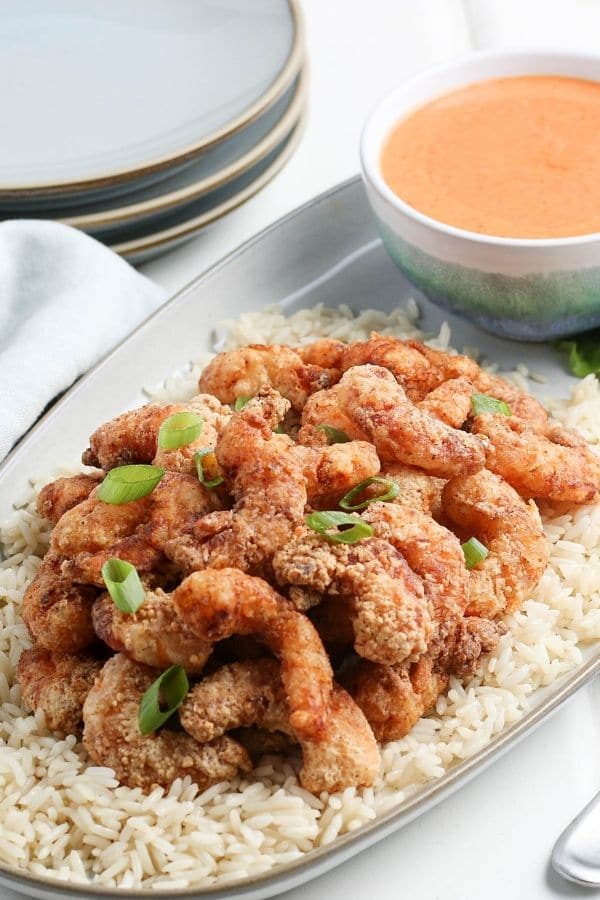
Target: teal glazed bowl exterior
[{"x": 525, "y": 289}]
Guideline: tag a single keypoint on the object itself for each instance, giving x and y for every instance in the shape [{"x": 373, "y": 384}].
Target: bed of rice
[{"x": 63, "y": 817}]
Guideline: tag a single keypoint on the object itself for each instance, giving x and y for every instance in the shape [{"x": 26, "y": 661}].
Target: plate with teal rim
[{"x": 182, "y": 77}]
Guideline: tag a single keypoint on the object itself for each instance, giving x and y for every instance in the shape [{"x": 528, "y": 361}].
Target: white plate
[
  {"x": 327, "y": 251},
  {"x": 107, "y": 89}
]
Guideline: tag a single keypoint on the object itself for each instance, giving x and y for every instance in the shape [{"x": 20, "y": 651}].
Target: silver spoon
[{"x": 576, "y": 854}]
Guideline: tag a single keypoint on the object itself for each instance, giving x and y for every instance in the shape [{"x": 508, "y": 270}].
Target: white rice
[{"x": 63, "y": 817}]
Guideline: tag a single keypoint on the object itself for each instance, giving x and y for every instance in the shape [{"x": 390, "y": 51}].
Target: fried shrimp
[
  {"x": 176, "y": 505},
  {"x": 402, "y": 358},
  {"x": 401, "y": 432},
  {"x": 434, "y": 553},
  {"x": 323, "y": 409},
  {"x": 557, "y": 466},
  {"x": 251, "y": 693},
  {"x": 154, "y": 635},
  {"x": 326, "y": 353},
  {"x": 58, "y": 684},
  {"x": 217, "y": 604},
  {"x": 385, "y": 600},
  {"x": 214, "y": 418},
  {"x": 59, "y": 496},
  {"x": 485, "y": 506},
  {"x": 417, "y": 490},
  {"x": 130, "y": 438},
  {"x": 58, "y": 613},
  {"x": 331, "y": 472},
  {"x": 394, "y": 698},
  {"x": 450, "y": 402},
  {"x": 94, "y": 531},
  {"x": 267, "y": 481},
  {"x": 243, "y": 372},
  {"x": 112, "y": 736}
]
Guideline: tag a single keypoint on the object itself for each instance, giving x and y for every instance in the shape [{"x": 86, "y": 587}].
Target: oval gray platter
[{"x": 326, "y": 251}]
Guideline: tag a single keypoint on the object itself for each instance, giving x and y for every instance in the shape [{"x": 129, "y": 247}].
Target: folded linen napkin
[{"x": 65, "y": 301}]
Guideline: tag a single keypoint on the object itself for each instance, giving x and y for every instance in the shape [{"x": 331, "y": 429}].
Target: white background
[{"x": 492, "y": 840}]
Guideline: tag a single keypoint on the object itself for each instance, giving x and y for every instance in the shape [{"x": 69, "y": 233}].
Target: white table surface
[{"x": 493, "y": 839}]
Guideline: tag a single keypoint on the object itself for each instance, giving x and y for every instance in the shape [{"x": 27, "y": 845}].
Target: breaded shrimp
[
  {"x": 485, "y": 506},
  {"x": 557, "y": 466},
  {"x": 450, "y": 366},
  {"x": 394, "y": 698},
  {"x": 216, "y": 604},
  {"x": 112, "y": 736},
  {"x": 331, "y": 472},
  {"x": 418, "y": 490},
  {"x": 131, "y": 438},
  {"x": 326, "y": 353},
  {"x": 94, "y": 531},
  {"x": 58, "y": 684},
  {"x": 251, "y": 693},
  {"x": 323, "y": 408},
  {"x": 402, "y": 358},
  {"x": 385, "y": 600},
  {"x": 214, "y": 418},
  {"x": 154, "y": 635},
  {"x": 57, "y": 497},
  {"x": 401, "y": 432},
  {"x": 267, "y": 481},
  {"x": 450, "y": 402},
  {"x": 243, "y": 372},
  {"x": 434, "y": 553},
  {"x": 176, "y": 504},
  {"x": 58, "y": 613}
]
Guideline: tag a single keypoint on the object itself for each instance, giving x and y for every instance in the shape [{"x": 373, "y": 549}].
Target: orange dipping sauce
[{"x": 514, "y": 157}]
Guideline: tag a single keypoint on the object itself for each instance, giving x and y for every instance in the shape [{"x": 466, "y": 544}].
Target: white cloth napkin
[{"x": 65, "y": 301}]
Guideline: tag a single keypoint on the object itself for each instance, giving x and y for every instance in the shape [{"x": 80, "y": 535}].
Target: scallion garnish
[
  {"x": 481, "y": 403},
  {"x": 179, "y": 430},
  {"x": 127, "y": 483},
  {"x": 162, "y": 699},
  {"x": 207, "y": 468},
  {"x": 123, "y": 584},
  {"x": 279, "y": 429},
  {"x": 334, "y": 435},
  {"x": 392, "y": 490},
  {"x": 241, "y": 402},
  {"x": 329, "y": 524},
  {"x": 474, "y": 551}
]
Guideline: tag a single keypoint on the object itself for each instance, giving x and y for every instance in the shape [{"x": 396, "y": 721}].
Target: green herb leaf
[
  {"x": 179, "y": 430},
  {"x": 329, "y": 524},
  {"x": 392, "y": 491},
  {"x": 207, "y": 468},
  {"x": 584, "y": 353},
  {"x": 123, "y": 584},
  {"x": 162, "y": 699},
  {"x": 481, "y": 403},
  {"x": 127, "y": 483},
  {"x": 474, "y": 551},
  {"x": 334, "y": 435},
  {"x": 241, "y": 402}
]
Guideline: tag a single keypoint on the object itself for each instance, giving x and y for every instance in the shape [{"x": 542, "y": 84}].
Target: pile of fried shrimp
[{"x": 303, "y": 555}]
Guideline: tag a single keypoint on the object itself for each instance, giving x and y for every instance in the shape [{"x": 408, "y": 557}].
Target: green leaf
[{"x": 584, "y": 353}]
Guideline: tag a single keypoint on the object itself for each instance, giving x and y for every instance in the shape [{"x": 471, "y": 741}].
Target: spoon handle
[{"x": 576, "y": 854}]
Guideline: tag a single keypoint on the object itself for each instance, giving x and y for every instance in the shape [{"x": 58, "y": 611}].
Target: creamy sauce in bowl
[{"x": 512, "y": 157}]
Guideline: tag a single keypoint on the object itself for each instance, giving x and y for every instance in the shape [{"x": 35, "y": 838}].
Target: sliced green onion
[
  {"x": 475, "y": 552},
  {"x": 179, "y": 430},
  {"x": 389, "y": 494},
  {"x": 241, "y": 402},
  {"x": 207, "y": 468},
  {"x": 481, "y": 403},
  {"x": 127, "y": 483},
  {"x": 329, "y": 523},
  {"x": 279, "y": 429},
  {"x": 162, "y": 699},
  {"x": 334, "y": 435},
  {"x": 123, "y": 584}
]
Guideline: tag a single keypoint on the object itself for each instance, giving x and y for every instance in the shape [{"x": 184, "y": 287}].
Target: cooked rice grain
[{"x": 61, "y": 816}]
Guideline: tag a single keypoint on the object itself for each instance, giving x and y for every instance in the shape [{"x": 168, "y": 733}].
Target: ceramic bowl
[{"x": 526, "y": 289}]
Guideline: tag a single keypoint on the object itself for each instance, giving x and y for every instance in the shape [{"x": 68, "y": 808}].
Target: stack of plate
[{"x": 141, "y": 123}]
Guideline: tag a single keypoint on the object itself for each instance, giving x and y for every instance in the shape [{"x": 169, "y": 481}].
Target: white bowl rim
[{"x": 370, "y": 152}]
